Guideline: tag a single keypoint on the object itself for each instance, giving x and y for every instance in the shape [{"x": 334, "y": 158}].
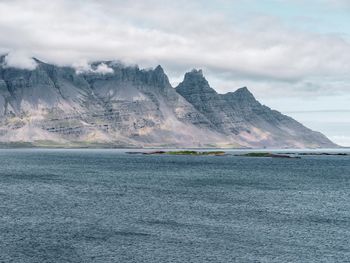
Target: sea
[{"x": 91, "y": 205}]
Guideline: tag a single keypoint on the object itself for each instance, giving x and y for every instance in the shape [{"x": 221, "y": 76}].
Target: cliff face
[{"x": 119, "y": 105}]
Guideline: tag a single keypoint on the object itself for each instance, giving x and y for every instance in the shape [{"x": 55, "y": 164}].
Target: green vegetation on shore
[
  {"x": 183, "y": 152},
  {"x": 195, "y": 153}
]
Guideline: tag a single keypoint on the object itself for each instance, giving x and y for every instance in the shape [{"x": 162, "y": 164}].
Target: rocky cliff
[
  {"x": 243, "y": 119},
  {"x": 116, "y": 105}
]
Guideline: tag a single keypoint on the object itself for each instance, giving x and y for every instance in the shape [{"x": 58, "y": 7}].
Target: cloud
[
  {"x": 260, "y": 49},
  {"x": 19, "y": 60},
  {"x": 85, "y": 67},
  {"x": 103, "y": 69},
  {"x": 82, "y": 66}
]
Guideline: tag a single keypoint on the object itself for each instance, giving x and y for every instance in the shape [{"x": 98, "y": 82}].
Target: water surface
[{"x": 107, "y": 206}]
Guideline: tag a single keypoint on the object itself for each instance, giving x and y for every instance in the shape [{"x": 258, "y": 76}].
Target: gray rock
[{"x": 242, "y": 118}]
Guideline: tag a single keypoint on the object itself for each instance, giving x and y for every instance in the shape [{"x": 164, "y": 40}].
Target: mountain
[
  {"x": 115, "y": 105},
  {"x": 242, "y": 118}
]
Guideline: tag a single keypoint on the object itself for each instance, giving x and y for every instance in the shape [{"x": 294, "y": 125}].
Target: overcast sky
[{"x": 294, "y": 55}]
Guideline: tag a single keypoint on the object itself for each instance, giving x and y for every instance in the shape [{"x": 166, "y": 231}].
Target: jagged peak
[
  {"x": 156, "y": 77},
  {"x": 195, "y": 73},
  {"x": 195, "y": 81},
  {"x": 243, "y": 90},
  {"x": 159, "y": 69},
  {"x": 241, "y": 94},
  {"x": 159, "y": 72}
]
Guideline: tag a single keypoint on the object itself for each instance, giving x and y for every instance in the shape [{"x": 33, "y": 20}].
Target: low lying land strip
[{"x": 294, "y": 155}]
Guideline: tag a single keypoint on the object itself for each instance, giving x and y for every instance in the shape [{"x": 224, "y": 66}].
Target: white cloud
[
  {"x": 19, "y": 60},
  {"x": 103, "y": 69},
  {"x": 179, "y": 35},
  {"x": 84, "y": 67}
]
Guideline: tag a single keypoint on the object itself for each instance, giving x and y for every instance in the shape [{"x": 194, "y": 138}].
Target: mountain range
[{"x": 114, "y": 105}]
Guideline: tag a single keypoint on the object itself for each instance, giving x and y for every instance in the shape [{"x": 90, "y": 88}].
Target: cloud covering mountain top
[{"x": 178, "y": 35}]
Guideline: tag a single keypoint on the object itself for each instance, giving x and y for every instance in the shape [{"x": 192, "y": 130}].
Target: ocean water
[{"x": 108, "y": 206}]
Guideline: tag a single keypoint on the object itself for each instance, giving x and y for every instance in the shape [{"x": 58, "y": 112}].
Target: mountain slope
[
  {"x": 116, "y": 105},
  {"x": 242, "y": 118}
]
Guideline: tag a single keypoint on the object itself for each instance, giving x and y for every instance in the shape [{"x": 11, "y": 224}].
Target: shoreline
[
  {"x": 250, "y": 154},
  {"x": 28, "y": 145}
]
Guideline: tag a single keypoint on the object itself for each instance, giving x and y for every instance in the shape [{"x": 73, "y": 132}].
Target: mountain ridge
[
  {"x": 125, "y": 106},
  {"x": 240, "y": 113}
]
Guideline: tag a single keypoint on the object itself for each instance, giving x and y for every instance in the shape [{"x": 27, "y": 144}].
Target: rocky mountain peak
[
  {"x": 195, "y": 74},
  {"x": 158, "y": 77},
  {"x": 241, "y": 94},
  {"x": 159, "y": 70},
  {"x": 195, "y": 82},
  {"x": 198, "y": 72},
  {"x": 243, "y": 90}
]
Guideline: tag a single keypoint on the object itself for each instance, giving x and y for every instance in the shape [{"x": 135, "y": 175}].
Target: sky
[{"x": 293, "y": 55}]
